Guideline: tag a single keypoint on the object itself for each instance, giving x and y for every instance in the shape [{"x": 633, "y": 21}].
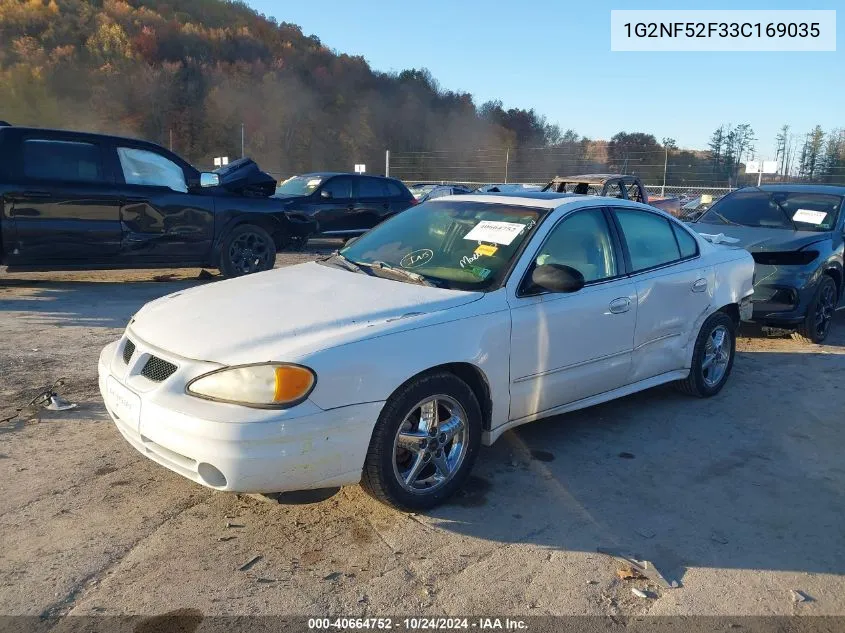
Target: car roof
[
  {"x": 801, "y": 188},
  {"x": 329, "y": 174},
  {"x": 539, "y": 199},
  {"x": 43, "y": 130},
  {"x": 590, "y": 179}
]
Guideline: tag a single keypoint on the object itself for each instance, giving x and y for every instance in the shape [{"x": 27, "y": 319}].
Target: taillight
[
  {"x": 785, "y": 258},
  {"x": 414, "y": 201}
]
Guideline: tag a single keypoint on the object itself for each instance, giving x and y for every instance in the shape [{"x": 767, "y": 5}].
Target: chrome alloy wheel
[
  {"x": 717, "y": 355},
  {"x": 431, "y": 444}
]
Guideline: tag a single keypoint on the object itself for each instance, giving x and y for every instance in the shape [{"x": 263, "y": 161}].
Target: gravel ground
[{"x": 739, "y": 497}]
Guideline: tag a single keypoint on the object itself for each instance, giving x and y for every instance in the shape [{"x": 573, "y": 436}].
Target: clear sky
[{"x": 554, "y": 56}]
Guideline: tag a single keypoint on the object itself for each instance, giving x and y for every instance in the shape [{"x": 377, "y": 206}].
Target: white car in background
[{"x": 393, "y": 360}]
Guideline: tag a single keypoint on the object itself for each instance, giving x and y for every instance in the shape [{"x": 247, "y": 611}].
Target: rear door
[
  {"x": 673, "y": 290},
  {"x": 162, "y": 219},
  {"x": 63, "y": 203},
  {"x": 373, "y": 204},
  {"x": 400, "y": 197}
]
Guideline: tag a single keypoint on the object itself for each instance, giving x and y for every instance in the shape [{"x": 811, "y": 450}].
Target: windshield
[
  {"x": 452, "y": 244},
  {"x": 420, "y": 190},
  {"x": 777, "y": 210},
  {"x": 298, "y": 186}
]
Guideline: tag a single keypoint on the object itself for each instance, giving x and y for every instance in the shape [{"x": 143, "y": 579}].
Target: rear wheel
[
  {"x": 247, "y": 249},
  {"x": 712, "y": 358},
  {"x": 816, "y": 325},
  {"x": 424, "y": 443}
]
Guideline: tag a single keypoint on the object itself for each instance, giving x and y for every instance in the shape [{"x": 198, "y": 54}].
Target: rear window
[
  {"x": 62, "y": 160},
  {"x": 394, "y": 190},
  {"x": 371, "y": 188}
]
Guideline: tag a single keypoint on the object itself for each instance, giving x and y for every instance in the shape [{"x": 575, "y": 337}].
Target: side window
[
  {"x": 371, "y": 188},
  {"x": 393, "y": 189},
  {"x": 340, "y": 188},
  {"x": 581, "y": 241},
  {"x": 650, "y": 238},
  {"x": 143, "y": 167},
  {"x": 614, "y": 190},
  {"x": 686, "y": 242},
  {"x": 634, "y": 192},
  {"x": 62, "y": 160}
]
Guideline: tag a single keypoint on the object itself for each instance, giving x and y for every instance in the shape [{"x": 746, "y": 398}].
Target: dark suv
[
  {"x": 83, "y": 201},
  {"x": 795, "y": 234},
  {"x": 344, "y": 205}
]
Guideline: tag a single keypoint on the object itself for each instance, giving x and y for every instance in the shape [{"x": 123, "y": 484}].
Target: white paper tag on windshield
[
  {"x": 809, "y": 216},
  {"x": 313, "y": 182},
  {"x": 496, "y": 232}
]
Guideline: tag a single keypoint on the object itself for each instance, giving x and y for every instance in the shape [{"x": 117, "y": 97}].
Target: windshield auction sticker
[
  {"x": 497, "y": 232},
  {"x": 723, "y": 30},
  {"x": 809, "y": 216}
]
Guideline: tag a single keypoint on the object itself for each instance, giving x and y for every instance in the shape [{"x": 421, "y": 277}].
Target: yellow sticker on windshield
[{"x": 486, "y": 249}]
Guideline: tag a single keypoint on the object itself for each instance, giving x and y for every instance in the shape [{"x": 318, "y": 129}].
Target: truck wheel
[
  {"x": 424, "y": 443},
  {"x": 816, "y": 325},
  {"x": 247, "y": 249},
  {"x": 712, "y": 357}
]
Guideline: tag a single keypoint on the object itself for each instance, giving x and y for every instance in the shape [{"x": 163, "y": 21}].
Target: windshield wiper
[
  {"x": 415, "y": 277},
  {"x": 346, "y": 263},
  {"x": 725, "y": 220}
]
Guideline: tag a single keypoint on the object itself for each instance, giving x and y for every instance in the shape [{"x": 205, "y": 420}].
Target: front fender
[{"x": 371, "y": 370}]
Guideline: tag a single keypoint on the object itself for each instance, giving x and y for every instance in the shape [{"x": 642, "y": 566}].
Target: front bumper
[
  {"x": 782, "y": 294},
  {"x": 230, "y": 447}
]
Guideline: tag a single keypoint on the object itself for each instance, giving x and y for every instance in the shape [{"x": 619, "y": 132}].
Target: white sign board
[
  {"x": 360, "y": 168},
  {"x": 761, "y": 166},
  {"x": 219, "y": 161}
]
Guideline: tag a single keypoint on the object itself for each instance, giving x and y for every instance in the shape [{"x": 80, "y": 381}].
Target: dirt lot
[{"x": 739, "y": 497}]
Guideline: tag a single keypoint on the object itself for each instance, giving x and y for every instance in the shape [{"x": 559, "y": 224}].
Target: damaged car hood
[
  {"x": 286, "y": 312},
  {"x": 761, "y": 239}
]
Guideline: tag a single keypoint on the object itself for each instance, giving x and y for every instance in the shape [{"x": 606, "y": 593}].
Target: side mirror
[
  {"x": 557, "y": 278},
  {"x": 209, "y": 179},
  {"x": 326, "y": 195}
]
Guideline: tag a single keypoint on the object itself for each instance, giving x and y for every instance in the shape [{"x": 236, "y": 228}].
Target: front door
[
  {"x": 570, "y": 346},
  {"x": 335, "y": 204},
  {"x": 66, "y": 207},
  {"x": 674, "y": 290},
  {"x": 162, "y": 220}
]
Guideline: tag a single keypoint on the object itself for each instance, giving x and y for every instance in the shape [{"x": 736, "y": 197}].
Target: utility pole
[
  {"x": 507, "y": 160},
  {"x": 387, "y": 162},
  {"x": 171, "y": 139},
  {"x": 242, "y": 140},
  {"x": 665, "y": 165}
]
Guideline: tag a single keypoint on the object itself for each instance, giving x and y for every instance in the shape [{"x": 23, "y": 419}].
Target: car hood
[
  {"x": 285, "y": 313},
  {"x": 761, "y": 239}
]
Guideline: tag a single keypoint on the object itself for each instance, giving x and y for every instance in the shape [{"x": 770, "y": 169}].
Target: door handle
[
  {"x": 700, "y": 285},
  {"x": 620, "y": 305}
]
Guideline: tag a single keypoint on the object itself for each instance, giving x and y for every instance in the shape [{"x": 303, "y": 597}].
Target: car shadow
[
  {"x": 752, "y": 478},
  {"x": 81, "y": 303}
]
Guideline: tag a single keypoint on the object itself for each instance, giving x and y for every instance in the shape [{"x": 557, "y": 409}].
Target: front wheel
[
  {"x": 816, "y": 325},
  {"x": 424, "y": 443},
  {"x": 712, "y": 357},
  {"x": 247, "y": 249}
]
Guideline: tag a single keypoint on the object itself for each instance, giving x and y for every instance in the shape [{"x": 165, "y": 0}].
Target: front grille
[
  {"x": 128, "y": 350},
  {"x": 157, "y": 369}
]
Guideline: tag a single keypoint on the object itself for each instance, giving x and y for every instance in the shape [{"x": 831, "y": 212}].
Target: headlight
[{"x": 268, "y": 385}]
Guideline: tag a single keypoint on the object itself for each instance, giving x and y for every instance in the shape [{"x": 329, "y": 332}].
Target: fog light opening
[{"x": 211, "y": 476}]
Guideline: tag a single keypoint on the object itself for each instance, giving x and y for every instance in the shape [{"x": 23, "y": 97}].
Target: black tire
[
  {"x": 816, "y": 325},
  {"x": 699, "y": 382},
  {"x": 380, "y": 477},
  {"x": 247, "y": 249}
]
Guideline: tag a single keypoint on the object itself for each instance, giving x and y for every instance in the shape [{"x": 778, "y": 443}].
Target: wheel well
[
  {"x": 476, "y": 380},
  {"x": 732, "y": 310},
  {"x": 837, "y": 279}
]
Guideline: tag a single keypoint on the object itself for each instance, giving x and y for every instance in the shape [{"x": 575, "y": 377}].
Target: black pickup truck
[{"x": 73, "y": 200}]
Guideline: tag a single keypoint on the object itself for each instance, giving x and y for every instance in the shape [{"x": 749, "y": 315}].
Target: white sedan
[{"x": 393, "y": 360}]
